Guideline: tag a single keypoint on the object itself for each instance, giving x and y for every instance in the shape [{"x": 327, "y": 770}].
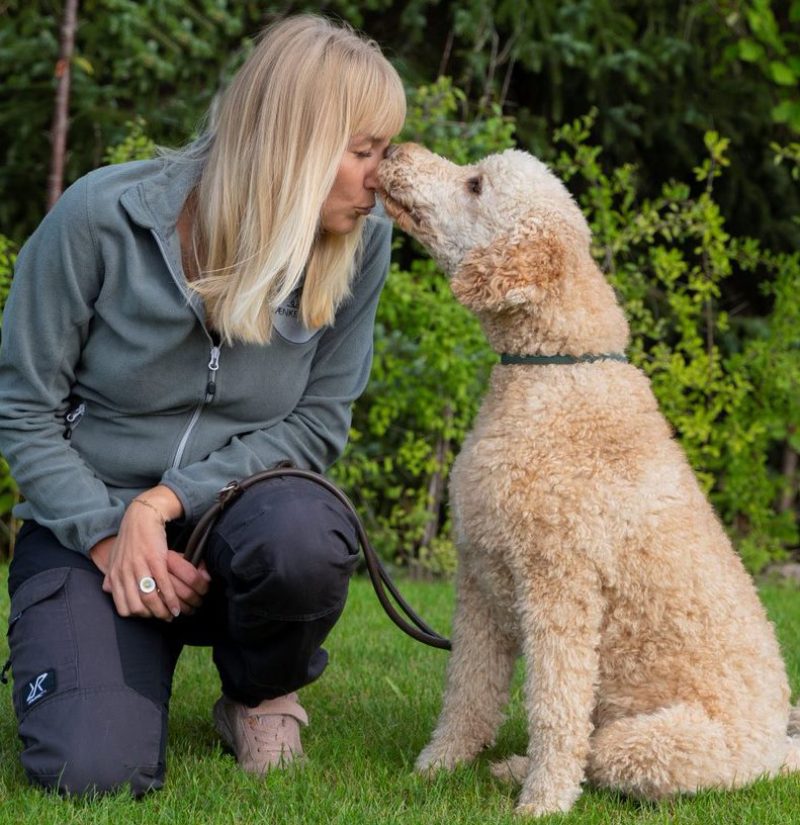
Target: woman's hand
[{"x": 140, "y": 550}]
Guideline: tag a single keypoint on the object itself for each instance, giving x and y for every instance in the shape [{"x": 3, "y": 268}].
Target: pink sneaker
[{"x": 264, "y": 737}]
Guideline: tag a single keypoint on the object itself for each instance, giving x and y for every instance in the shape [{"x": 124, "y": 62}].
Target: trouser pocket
[
  {"x": 90, "y": 688},
  {"x": 41, "y": 640}
]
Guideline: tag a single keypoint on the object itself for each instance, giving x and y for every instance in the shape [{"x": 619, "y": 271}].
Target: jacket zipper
[
  {"x": 211, "y": 389},
  {"x": 213, "y": 364}
]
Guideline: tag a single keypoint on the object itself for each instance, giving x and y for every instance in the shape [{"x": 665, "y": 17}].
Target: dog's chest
[{"x": 479, "y": 496}]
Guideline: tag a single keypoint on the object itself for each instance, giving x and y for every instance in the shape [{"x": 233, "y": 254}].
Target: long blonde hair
[{"x": 273, "y": 150}]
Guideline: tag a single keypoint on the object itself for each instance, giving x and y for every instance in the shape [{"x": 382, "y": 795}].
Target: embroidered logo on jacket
[{"x": 287, "y": 320}]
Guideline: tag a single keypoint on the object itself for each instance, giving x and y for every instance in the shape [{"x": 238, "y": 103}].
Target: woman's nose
[{"x": 371, "y": 179}]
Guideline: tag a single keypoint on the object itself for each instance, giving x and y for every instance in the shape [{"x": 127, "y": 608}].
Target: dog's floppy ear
[{"x": 519, "y": 267}]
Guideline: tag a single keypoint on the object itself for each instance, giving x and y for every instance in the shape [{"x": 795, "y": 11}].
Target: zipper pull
[{"x": 213, "y": 366}]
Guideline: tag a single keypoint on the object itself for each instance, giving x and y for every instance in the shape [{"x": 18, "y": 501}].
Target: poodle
[{"x": 585, "y": 543}]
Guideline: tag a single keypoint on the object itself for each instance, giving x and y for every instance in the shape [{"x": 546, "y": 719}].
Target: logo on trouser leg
[{"x": 43, "y": 684}]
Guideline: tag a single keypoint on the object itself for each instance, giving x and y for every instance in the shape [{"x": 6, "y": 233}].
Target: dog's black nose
[{"x": 391, "y": 149}]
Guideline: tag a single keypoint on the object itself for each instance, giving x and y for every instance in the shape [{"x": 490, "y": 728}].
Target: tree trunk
[
  {"x": 58, "y": 133},
  {"x": 789, "y": 470}
]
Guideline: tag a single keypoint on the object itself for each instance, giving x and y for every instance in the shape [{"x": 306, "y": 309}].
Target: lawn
[{"x": 370, "y": 714}]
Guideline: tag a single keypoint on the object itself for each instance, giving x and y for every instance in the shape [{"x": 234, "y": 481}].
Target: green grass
[{"x": 371, "y": 713}]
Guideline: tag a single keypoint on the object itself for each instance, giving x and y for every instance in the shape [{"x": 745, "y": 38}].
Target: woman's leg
[
  {"x": 281, "y": 558},
  {"x": 283, "y": 553},
  {"x": 91, "y": 688}
]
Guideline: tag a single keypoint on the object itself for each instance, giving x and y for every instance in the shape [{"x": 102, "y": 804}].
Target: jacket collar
[{"x": 156, "y": 201}]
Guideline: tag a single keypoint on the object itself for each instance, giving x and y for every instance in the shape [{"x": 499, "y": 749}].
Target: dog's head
[{"x": 505, "y": 229}]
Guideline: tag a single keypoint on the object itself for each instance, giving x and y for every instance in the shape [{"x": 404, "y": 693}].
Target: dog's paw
[
  {"x": 539, "y": 809},
  {"x": 514, "y": 769},
  {"x": 542, "y": 801},
  {"x": 438, "y": 757}
]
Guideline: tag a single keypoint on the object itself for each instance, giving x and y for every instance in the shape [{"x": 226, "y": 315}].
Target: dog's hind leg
[
  {"x": 478, "y": 677},
  {"x": 677, "y": 749}
]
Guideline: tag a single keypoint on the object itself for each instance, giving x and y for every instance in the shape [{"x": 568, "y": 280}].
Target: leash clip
[{"x": 230, "y": 491}]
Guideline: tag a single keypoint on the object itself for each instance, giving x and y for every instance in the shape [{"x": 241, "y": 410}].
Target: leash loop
[{"x": 410, "y": 624}]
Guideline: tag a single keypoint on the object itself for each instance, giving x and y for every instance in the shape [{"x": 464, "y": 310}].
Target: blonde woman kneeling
[{"x": 175, "y": 324}]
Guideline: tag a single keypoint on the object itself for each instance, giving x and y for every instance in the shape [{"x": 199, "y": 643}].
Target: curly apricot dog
[{"x": 585, "y": 543}]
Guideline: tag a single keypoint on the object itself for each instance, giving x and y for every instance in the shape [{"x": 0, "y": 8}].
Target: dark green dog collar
[{"x": 508, "y": 358}]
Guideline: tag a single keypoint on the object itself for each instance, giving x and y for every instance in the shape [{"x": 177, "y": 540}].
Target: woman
[{"x": 173, "y": 325}]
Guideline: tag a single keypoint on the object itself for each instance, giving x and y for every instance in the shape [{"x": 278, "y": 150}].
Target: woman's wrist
[{"x": 162, "y": 502}]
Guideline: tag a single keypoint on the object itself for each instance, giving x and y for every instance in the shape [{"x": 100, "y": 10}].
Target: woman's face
[{"x": 353, "y": 192}]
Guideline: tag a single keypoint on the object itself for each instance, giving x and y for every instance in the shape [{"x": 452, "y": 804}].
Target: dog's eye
[{"x": 475, "y": 185}]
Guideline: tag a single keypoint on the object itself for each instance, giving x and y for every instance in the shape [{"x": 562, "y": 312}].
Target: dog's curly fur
[{"x": 585, "y": 543}]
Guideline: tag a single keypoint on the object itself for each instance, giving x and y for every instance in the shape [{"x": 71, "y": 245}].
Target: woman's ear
[{"x": 520, "y": 267}]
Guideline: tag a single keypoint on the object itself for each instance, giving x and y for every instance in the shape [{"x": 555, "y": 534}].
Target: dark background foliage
[{"x": 679, "y": 92}]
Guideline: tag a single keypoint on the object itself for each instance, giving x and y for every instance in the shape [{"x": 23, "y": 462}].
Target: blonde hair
[{"x": 275, "y": 142}]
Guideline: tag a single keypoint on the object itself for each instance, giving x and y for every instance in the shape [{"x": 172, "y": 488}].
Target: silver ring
[{"x": 147, "y": 584}]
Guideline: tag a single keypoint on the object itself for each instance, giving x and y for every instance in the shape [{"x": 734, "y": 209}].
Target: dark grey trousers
[{"x": 91, "y": 689}]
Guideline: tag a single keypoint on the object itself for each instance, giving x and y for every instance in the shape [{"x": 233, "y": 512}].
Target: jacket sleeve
[
  {"x": 314, "y": 435},
  {"x": 46, "y": 321}
]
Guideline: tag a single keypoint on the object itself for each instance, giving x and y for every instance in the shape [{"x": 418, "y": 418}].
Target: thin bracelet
[{"x": 151, "y": 507}]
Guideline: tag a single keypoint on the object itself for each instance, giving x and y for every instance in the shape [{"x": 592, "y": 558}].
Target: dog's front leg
[
  {"x": 478, "y": 677},
  {"x": 560, "y": 609}
]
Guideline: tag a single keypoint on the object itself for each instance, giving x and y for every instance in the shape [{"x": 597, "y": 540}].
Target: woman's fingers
[
  {"x": 196, "y": 578},
  {"x": 139, "y": 556},
  {"x": 143, "y": 601},
  {"x": 190, "y": 583}
]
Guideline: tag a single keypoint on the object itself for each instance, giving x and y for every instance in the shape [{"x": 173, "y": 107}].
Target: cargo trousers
[{"x": 91, "y": 689}]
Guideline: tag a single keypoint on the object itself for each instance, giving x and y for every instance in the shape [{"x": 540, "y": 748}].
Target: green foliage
[
  {"x": 8, "y": 489},
  {"x": 729, "y": 386},
  {"x": 136, "y": 145},
  {"x": 775, "y": 51},
  {"x": 162, "y": 59},
  {"x": 713, "y": 313},
  {"x": 660, "y": 73},
  {"x": 431, "y": 363}
]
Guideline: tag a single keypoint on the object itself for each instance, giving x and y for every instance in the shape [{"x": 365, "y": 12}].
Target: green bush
[
  {"x": 728, "y": 385},
  {"x": 430, "y": 366},
  {"x": 8, "y": 489}
]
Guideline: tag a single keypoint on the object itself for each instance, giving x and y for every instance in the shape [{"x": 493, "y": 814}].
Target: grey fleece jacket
[{"x": 101, "y": 328}]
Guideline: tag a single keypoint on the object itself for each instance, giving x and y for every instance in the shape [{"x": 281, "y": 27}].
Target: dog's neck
[{"x": 561, "y": 324}]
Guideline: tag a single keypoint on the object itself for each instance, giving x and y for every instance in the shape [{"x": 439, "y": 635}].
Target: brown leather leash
[{"x": 417, "y": 629}]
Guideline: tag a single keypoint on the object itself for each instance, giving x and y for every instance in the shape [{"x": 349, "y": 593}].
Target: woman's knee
[
  {"x": 90, "y": 689},
  {"x": 289, "y": 548},
  {"x": 94, "y": 743}
]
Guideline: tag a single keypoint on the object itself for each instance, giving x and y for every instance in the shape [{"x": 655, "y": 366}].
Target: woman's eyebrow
[{"x": 363, "y": 138}]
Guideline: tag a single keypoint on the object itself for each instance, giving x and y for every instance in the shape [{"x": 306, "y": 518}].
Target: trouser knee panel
[{"x": 83, "y": 727}]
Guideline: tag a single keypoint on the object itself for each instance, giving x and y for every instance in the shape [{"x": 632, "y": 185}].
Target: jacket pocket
[{"x": 41, "y": 640}]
